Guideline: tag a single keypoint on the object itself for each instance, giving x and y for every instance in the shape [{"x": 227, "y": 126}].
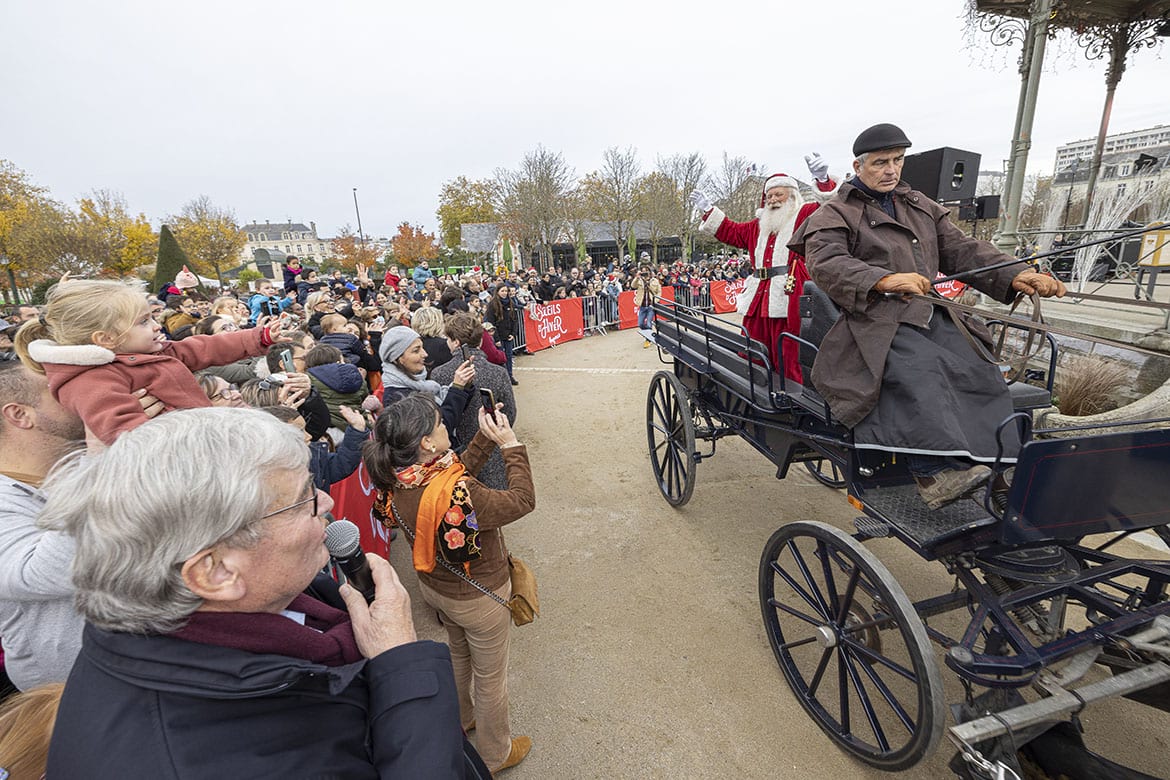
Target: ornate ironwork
[
  {"x": 1002, "y": 30},
  {"x": 1097, "y": 40}
]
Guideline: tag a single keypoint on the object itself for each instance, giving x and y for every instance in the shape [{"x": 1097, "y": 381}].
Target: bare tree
[
  {"x": 531, "y": 199},
  {"x": 686, "y": 172},
  {"x": 612, "y": 192},
  {"x": 735, "y": 188},
  {"x": 659, "y": 204}
]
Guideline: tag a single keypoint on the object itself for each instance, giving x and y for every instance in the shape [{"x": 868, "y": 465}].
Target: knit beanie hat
[
  {"x": 395, "y": 342},
  {"x": 185, "y": 280}
]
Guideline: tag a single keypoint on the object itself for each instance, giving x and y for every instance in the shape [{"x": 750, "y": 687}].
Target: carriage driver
[{"x": 893, "y": 368}]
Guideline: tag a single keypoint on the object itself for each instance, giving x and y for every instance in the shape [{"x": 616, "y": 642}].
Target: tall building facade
[{"x": 1133, "y": 162}]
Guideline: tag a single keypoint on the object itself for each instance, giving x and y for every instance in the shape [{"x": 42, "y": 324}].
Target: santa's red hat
[{"x": 777, "y": 180}]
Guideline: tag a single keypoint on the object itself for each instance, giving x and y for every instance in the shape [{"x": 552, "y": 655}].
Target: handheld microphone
[{"x": 344, "y": 542}]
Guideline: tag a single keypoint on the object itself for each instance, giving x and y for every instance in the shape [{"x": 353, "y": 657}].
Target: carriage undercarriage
[{"x": 1044, "y": 616}]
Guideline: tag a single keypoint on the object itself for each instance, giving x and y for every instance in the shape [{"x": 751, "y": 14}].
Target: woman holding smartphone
[{"x": 421, "y": 484}]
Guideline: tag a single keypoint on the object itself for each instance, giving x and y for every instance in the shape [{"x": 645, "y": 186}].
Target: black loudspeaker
[
  {"x": 983, "y": 207},
  {"x": 944, "y": 174}
]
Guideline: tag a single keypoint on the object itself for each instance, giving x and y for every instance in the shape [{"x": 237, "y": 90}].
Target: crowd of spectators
[
  {"x": 326, "y": 354},
  {"x": 323, "y": 354}
]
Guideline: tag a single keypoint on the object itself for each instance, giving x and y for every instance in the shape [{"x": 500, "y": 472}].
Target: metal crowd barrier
[
  {"x": 694, "y": 297},
  {"x": 591, "y": 311}
]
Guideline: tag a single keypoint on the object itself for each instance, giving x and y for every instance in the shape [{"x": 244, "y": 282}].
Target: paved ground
[{"x": 650, "y": 659}]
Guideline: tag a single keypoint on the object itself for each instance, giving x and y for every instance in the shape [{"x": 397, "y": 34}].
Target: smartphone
[
  {"x": 466, "y": 354},
  {"x": 489, "y": 401},
  {"x": 286, "y": 360}
]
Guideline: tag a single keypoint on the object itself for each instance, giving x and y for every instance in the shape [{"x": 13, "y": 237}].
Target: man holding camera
[{"x": 646, "y": 288}]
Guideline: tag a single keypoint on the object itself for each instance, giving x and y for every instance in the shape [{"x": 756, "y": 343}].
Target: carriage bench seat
[{"x": 1026, "y": 397}]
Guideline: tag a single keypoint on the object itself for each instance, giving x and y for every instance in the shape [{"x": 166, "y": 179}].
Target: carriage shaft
[{"x": 1056, "y": 706}]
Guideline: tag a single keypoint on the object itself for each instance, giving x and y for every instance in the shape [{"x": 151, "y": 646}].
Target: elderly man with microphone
[{"x": 202, "y": 656}]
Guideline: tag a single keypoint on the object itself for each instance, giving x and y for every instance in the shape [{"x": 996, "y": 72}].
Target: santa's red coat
[{"x": 759, "y": 322}]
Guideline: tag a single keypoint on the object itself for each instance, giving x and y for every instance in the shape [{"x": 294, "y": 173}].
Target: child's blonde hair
[
  {"x": 225, "y": 305},
  {"x": 332, "y": 323},
  {"x": 26, "y": 725},
  {"x": 75, "y": 310}
]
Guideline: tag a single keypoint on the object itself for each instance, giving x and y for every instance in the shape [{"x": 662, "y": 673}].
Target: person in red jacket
[
  {"x": 97, "y": 344},
  {"x": 770, "y": 302},
  {"x": 392, "y": 278}
]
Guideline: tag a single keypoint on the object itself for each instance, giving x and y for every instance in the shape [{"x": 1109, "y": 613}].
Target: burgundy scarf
[{"x": 331, "y": 644}]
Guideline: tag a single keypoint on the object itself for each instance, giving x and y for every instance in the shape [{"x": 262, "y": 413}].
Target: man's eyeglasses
[
  {"x": 303, "y": 501},
  {"x": 230, "y": 390}
]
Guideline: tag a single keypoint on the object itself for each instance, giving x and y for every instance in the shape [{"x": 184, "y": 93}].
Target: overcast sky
[{"x": 278, "y": 110}]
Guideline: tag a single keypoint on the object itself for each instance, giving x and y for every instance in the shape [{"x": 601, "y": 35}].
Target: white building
[
  {"x": 1132, "y": 162},
  {"x": 1135, "y": 142},
  {"x": 291, "y": 238}
]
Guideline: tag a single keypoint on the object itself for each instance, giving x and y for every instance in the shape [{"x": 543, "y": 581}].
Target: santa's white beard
[{"x": 774, "y": 218}]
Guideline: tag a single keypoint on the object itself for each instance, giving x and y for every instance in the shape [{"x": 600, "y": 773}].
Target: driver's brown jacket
[{"x": 849, "y": 244}]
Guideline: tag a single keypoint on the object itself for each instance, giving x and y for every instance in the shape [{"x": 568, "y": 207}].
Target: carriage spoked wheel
[
  {"x": 826, "y": 471},
  {"x": 670, "y": 431},
  {"x": 851, "y": 646}
]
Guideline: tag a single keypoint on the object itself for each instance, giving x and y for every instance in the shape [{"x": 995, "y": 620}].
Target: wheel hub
[{"x": 826, "y": 637}]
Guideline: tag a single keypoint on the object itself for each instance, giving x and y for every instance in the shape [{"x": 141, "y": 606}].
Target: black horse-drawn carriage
[{"x": 1041, "y": 599}]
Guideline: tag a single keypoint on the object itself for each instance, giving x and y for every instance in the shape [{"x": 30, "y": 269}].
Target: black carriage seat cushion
[
  {"x": 1026, "y": 397},
  {"x": 818, "y": 313}
]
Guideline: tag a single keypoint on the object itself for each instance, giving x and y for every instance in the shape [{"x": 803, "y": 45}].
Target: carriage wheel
[
  {"x": 851, "y": 646},
  {"x": 826, "y": 471},
  {"x": 670, "y": 430}
]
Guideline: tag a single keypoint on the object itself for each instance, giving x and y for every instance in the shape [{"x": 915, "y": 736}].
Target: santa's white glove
[
  {"x": 817, "y": 166},
  {"x": 700, "y": 201}
]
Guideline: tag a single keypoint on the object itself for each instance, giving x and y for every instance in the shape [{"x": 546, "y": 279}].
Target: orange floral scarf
[{"x": 446, "y": 521}]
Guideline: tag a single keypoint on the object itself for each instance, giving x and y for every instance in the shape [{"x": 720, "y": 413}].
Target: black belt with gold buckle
[{"x": 768, "y": 273}]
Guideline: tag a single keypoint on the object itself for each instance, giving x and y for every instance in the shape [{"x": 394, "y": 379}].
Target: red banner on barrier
[
  {"x": 353, "y": 500},
  {"x": 628, "y": 312},
  {"x": 952, "y": 289},
  {"x": 724, "y": 294},
  {"x": 554, "y": 322}
]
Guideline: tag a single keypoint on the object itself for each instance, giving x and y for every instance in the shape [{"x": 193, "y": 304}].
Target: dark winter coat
[
  {"x": 437, "y": 351},
  {"x": 329, "y": 467},
  {"x": 165, "y": 708},
  {"x": 491, "y": 377},
  {"x": 849, "y": 244},
  {"x": 352, "y": 348},
  {"x": 338, "y": 384}
]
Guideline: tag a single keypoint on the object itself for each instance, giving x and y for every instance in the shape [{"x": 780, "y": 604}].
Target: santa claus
[{"x": 770, "y": 302}]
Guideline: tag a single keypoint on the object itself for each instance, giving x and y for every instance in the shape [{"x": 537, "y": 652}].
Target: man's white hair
[{"x": 161, "y": 493}]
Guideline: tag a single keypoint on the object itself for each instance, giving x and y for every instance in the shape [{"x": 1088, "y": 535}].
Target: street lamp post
[{"x": 357, "y": 211}]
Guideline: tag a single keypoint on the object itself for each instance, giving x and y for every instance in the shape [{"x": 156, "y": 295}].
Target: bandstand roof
[{"x": 1077, "y": 13}]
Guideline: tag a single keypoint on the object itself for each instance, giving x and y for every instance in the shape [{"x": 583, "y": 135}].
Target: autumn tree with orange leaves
[
  {"x": 350, "y": 251},
  {"x": 411, "y": 245}
]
